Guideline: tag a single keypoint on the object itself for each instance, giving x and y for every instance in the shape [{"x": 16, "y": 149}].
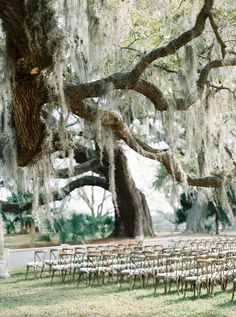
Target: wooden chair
[
  {"x": 78, "y": 261},
  {"x": 134, "y": 270},
  {"x": 150, "y": 266},
  {"x": 90, "y": 268},
  {"x": 106, "y": 266},
  {"x": 216, "y": 274},
  {"x": 229, "y": 270},
  {"x": 37, "y": 263},
  {"x": 64, "y": 266},
  {"x": 171, "y": 274},
  {"x": 53, "y": 259},
  {"x": 203, "y": 270}
]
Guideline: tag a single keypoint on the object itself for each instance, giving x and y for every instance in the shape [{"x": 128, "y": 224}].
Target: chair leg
[
  {"x": 53, "y": 272},
  {"x": 156, "y": 284},
  {"x": 64, "y": 276},
  {"x": 89, "y": 279},
  {"x": 225, "y": 284},
  {"x": 27, "y": 271},
  {"x": 73, "y": 275},
  {"x": 130, "y": 282},
  {"x": 194, "y": 289},
  {"x": 145, "y": 280},
  {"x": 185, "y": 288},
  {"x": 141, "y": 280},
  {"x": 198, "y": 290},
  {"x": 234, "y": 284},
  {"x": 97, "y": 275},
  {"x": 50, "y": 270},
  {"x": 212, "y": 287},
  {"x": 170, "y": 283},
  {"x": 79, "y": 278},
  {"x": 121, "y": 280},
  {"x": 177, "y": 286},
  {"x": 41, "y": 273},
  {"x": 166, "y": 284}
]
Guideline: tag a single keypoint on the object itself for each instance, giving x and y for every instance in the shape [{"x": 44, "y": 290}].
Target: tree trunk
[
  {"x": 3, "y": 254},
  {"x": 196, "y": 216},
  {"x": 133, "y": 217}
]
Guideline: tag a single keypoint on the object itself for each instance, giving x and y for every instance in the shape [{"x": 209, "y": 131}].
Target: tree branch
[
  {"x": 57, "y": 195},
  {"x": 165, "y": 68},
  {"x": 208, "y": 67},
  {"x": 131, "y": 80},
  {"x": 218, "y": 88},
  {"x": 114, "y": 120},
  {"x": 79, "y": 169},
  {"x": 175, "y": 44},
  {"x": 217, "y": 34}
]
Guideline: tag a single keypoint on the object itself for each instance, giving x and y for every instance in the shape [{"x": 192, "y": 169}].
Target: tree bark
[
  {"x": 133, "y": 217},
  {"x": 196, "y": 216}
]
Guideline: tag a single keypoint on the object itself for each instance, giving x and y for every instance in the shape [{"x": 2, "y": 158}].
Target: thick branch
[
  {"x": 57, "y": 195},
  {"x": 176, "y": 44},
  {"x": 217, "y": 34},
  {"x": 79, "y": 182},
  {"x": 208, "y": 67},
  {"x": 229, "y": 152},
  {"x": 210, "y": 181},
  {"x": 79, "y": 169},
  {"x": 112, "y": 119}
]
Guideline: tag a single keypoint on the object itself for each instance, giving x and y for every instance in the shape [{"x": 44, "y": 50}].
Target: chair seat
[
  {"x": 200, "y": 278},
  {"x": 104, "y": 269},
  {"x": 160, "y": 269},
  {"x": 132, "y": 272},
  {"x": 35, "y": 264},
  {"x": 77, "y": 265},
  {"x": 50, "y": 262},
  {"x": 88, "y": 270},
  {"x": 167, "y": 274},
  {"x": 58, "y": 267},
  {"x": 119, "y": 266}
]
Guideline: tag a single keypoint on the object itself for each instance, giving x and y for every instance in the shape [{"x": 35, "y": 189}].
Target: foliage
[
  {"x": 10, "y": 221},
  {"x": 213, "y": 209},
  {"x": 17, "y": 197},
  {"x": 78, "y": 227},
  {"x": 186, "y": 202},
  {"x": 25, "y": 218},
  {"x": 163, "y": 180},
  {"x": 102, "y": 225}
]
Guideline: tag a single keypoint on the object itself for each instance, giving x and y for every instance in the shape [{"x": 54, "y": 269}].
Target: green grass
[{"x": 40, "y": 298}]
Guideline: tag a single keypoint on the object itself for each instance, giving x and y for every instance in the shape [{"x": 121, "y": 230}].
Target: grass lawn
[{"x": 39, "y": 298}]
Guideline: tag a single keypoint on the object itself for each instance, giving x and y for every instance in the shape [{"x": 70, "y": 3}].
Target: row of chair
[{"x": 183, "y": 265}]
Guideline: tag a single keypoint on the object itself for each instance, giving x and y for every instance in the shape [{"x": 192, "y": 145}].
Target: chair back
[{"x": 39, "y": 256}]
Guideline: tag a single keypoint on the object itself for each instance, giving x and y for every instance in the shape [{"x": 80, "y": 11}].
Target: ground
[{"x": 40, "y": 298}]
